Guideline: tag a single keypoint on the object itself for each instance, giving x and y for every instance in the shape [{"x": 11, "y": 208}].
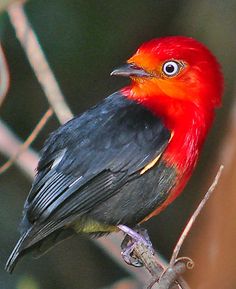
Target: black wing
[{"x": 88, "y": 159}]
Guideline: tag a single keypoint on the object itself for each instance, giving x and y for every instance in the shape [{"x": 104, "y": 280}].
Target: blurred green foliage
[{"x": 84, "y": 41}]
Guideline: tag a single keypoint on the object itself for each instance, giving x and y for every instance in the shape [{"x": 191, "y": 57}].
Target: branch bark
[{"x": 38, "y": 61}]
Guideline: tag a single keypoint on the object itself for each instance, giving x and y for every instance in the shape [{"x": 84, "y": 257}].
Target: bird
[{"x": 127, "y": 158}]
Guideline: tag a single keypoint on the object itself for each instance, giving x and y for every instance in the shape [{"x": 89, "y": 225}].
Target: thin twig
[
  {"x": 194, "y": 217},
  {"x": 170, "y": 277},
  {"x": 28, "y": 141},
  {"x": 38, "y": 61},
  {"x": 4, "y": 73},
  {"x": 10, "y": 144}
]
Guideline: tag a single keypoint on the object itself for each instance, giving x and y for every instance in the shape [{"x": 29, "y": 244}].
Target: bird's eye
[{"x": 171, "y": 68}]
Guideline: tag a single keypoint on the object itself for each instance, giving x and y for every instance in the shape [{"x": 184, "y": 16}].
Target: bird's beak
[{"x": 130, "y": 70}]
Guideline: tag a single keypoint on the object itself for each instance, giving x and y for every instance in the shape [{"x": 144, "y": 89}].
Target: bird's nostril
[{"x": 134, "y": 66}]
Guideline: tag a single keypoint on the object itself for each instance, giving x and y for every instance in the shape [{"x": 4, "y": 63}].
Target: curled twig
[{"x": 194, "y": 217}]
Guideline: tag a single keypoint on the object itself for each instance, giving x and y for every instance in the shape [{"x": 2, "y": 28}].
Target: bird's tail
[
  {"x": 16, "y": 254},
  {"x": 27, "y": 244}
]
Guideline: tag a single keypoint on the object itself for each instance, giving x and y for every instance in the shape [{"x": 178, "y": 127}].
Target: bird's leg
[{"x": 134, "y": 236}]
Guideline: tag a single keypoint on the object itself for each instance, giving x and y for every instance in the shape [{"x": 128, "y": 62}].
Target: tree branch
[
  {"x": 194, "y": 217},
  {"x": 38, "y": 61}
]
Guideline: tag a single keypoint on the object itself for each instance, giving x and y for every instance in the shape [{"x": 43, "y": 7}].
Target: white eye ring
[{"x": 171, "y": 68}]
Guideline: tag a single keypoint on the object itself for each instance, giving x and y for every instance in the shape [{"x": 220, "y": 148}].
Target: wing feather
[{"x": 89, "y": 159}]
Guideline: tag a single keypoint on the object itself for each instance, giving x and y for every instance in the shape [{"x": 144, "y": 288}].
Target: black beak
[{"x": 130, "y": 70}]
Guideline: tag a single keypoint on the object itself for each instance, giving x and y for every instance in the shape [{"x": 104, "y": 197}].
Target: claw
[
  {"x": 127, "y": 247},
  {"x": 129, "y": 258},
  {"x": 131, "y": 239}
]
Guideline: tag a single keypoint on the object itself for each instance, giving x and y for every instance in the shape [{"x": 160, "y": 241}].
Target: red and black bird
[{"x": 125, "y": 159}]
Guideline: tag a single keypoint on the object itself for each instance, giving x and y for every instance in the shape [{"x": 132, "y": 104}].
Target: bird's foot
[{"x": 134, "y": 236}]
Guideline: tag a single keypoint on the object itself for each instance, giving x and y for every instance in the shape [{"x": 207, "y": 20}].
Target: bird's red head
[{"x": 178, "y": 68}]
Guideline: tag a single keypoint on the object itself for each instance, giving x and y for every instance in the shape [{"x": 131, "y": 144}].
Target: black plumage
[{"x": 91, "y": 174}]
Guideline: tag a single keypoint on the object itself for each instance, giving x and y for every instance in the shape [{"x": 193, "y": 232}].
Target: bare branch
[
  {"x": 170, "y": 277},
  {"x": 28, "y": 141},
  {"x": 165, "y": 276},
  {"x": 37, "y": 59},
  {"x": 10, "y": 144},
  {"x": 194, "y": 217}
]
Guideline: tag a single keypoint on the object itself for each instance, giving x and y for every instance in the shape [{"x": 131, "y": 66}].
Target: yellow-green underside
[{"x": 92, "y": 226}]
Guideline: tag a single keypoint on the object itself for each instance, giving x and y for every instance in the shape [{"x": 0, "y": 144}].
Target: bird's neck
[{"x": 188, "y": 123}]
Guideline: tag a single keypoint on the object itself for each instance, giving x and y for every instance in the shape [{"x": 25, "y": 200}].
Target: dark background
[{"x": 84, "y": 41}]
